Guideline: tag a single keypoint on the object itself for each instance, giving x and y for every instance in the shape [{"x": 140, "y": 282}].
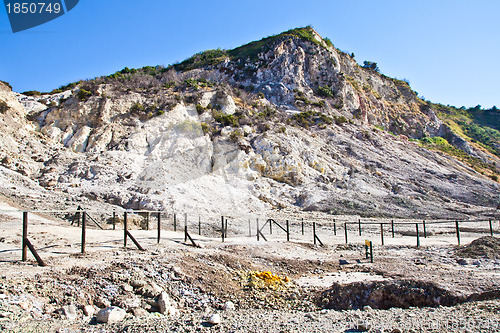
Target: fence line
[{"x": 362, "y": 225}]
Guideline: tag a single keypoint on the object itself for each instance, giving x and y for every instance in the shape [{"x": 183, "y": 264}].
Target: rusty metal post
[
  {"x": 491, "y": 228},
  {"x": 258, "y": 233},
  {"x": 382, "y": 232},
  {"x": 222, "y": 229},
  {"x": 359, "y": 226},
  {"x": 159, "y": 227},
  {"x": 84, "y": 231},
  {"x": 270, "y": 226},
  {"x": 175, "y": 222},
  {"x": 199, "y": 225},
  {"x": 114, "y": 220},
  {"x": 425, "y": 230},
  {"x": 125, "y": 229},
  {"x": 418, "y": 235},
  {"x": 314, "y": 232},
  {"x": 302, "y": 226},
  {"x": 25, "y": 236},
  {"x": 334, "y": 228},
  {"x": 392, "y": 227},
  {"x": 457, "y": 227},
  {"x": 345, "y": 230}
]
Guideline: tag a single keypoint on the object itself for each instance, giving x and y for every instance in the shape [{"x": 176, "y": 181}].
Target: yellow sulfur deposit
[{"x": 264, "y": 280}]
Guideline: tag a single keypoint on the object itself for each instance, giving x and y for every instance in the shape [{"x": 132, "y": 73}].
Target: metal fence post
[
  {"x": 84, "y": 231},
  {"x": 314, "y": 232},
  {"x": 25, "y": 236},
  {"x": 287, "y": 231},
  {"x": 458, "y": 231},
  {"x": 382, "y": 232},
  {"x": 345, "y": 230},
  {"x": 258, "y": 232},
  {"x": 159, "y": 227},
  {"x": 125, "y": 229},
  {"x": 222, "y": 228},
  {"x": 418, "y": 236}
]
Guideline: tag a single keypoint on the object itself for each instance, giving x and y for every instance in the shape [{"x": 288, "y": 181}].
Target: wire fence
[{"x": 77, "y": 231}]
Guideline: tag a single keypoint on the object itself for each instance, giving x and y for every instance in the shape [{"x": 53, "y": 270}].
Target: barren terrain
[{"x": 437, "y": 287}]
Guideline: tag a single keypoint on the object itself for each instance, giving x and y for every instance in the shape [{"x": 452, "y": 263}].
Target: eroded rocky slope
[{"x": 289, "y": 121}]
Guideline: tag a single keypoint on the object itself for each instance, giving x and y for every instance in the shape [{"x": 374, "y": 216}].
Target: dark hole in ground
[{"x": 385, "y": 295}]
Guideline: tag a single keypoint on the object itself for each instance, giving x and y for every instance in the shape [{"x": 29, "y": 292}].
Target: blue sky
[{"x": 447, "y": 49}]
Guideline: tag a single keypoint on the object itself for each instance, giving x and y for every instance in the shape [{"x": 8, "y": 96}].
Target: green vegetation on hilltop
[
  {"x": 250, "y": 50},
  {"x": 474, "y": 124},
  {"x": 202, "y": 59},
  {"x": 7, "y": 84},
  {"x": 441, "y": 144}
]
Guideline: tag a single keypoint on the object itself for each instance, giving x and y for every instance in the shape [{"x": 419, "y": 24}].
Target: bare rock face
[{"x": 287, "y": 124}]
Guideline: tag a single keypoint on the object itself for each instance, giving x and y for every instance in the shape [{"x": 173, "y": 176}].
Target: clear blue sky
[{"x": 448, "y": 49}]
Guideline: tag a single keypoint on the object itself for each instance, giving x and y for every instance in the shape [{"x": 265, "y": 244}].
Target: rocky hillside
[{"x": 285, "y": 122}]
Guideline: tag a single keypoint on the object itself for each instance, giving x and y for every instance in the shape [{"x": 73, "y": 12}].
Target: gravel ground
[{"x": 201, "y": 281}]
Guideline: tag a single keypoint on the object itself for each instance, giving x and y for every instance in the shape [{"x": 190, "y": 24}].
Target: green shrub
[
  {"x": 7, "y": 84},
  {"x": 226, "y": 119},
  {"x": 192, "y": 83},
  {"x": 202, "y": 59},
  {"x": 69, "y": 86},
  {"x": 206, "y": 128},
  {"x": 32, "y": 93},
  {"x": 311, "y": 118},
  {"x": 494, "y": 177},
  {"x": 137, "y": 108},
  {"x": 371, "y": 65},
  {"x": 4, "y": 107},
  {"x": 169, "y": 84},
  {"x": 339, "y": 120},
  {"x": 325, "y": 91},
  {"x": 320, "y": 104},
  {"x": 236, "y": 135},
  {"x": 84, "y": 95},
  {"x": 200, "y": 109}
]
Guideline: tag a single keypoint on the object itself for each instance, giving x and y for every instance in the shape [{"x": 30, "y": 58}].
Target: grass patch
[
  {"x": 441, "y": 144},
  {"x": 202, "y": 59},
  {"x": 311, "y": 118}
]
